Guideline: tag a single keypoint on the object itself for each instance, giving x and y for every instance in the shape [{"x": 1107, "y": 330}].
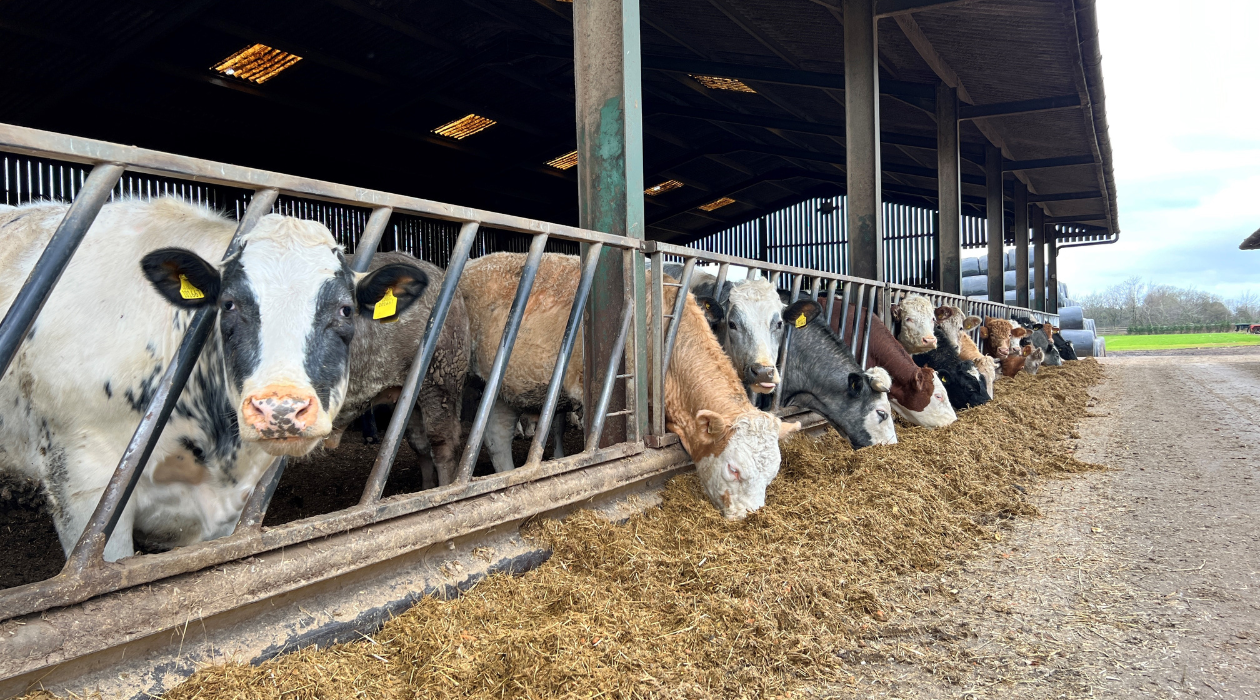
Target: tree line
[{"x": 1142, "y": 305}]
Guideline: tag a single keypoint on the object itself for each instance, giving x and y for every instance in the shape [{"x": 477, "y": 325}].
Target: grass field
[{"x": 1120, "y": 343}]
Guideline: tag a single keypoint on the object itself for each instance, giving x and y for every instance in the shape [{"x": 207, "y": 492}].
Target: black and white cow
[
  {"x": 963, "y": 382},
  {"x": 270, "y": 381}
]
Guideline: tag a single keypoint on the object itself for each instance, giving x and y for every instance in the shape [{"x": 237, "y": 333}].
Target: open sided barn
[{"x": 845, "y": 148}]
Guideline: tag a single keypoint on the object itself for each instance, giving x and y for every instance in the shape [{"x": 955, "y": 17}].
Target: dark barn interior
[{"x": 743, "y": 99}]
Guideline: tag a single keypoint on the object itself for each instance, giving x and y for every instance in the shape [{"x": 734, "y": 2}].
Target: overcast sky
[{"x": 1183, "y": 104}]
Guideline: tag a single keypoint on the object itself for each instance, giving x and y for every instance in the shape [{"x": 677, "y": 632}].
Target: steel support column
[
  {"x": 608, "y": 88},
  {"x": 1021, "y": 243},
  {"x": 996, "y": 225},
  {"x": 861, "y": 118},
  {"x": 1052, "y": 268},
  {"x": 1038, "y": 221},
  {"x": 949, "y": 191}
]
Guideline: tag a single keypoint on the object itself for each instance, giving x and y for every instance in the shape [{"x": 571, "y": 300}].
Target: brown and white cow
[
  {"x": 734, "y": 445},
  {"x": 996, "y": 334}
]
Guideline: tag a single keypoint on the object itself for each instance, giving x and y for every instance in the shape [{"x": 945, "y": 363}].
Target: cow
[
  {"x": 751, "y": 329},
  {"x": 1039, "y": 336},
  {"x": 913, "y": 323},
  {"x": 962, "y": 381},
  {"x": 996, "y": 335},
  {"x": 269, "y": 381},
  {"x": 823, "y": 376},
  {"x": 917, "y": 394},
  {"x": 1028, "y": 359},
  {"x": 734, "y": 446},
  {"x": 1065, "y": 347},
  {"x": 380, "y": 358},
  {"x": 955, "y": 323}
]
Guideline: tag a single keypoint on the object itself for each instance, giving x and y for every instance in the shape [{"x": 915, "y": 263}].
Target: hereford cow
[
  {"x": 735, "y": 446},
  {"x": 751, "y": 329},
  {"x": 917, "y": 394},
  {"x": 823, "y": 376},
  {"x": 962, "y": 381},
  {"x": 913, "y": 323},
  {"x": 380, "y": 358},
  {"x": 270, "y": 379}
]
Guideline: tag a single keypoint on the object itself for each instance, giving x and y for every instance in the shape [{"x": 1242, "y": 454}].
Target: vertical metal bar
[
  {"x": 996, "y": 226},
  {"x": 1021, "y": 243},
  {"x": 1038, "y": 222},
  {"x": 857, "y": 318},
  {"x": 832, "y": 286},
  {"x": 723, "y": 270},
  {"x": 260, "y": 498},
  {"x": 774, "y": 279},
  {"x": 371, "y": 238},
  {"x": 844, "y": 309},
  {"x": 90, "y": 547},
  {"x": 419, "y": 367},
  {"x": 866, "y": 331},
  {"x": 53, "y": 261},
  {"x": 816, "y": 288},
  {"x": 680, "y": 301},
  {"x": 610, "y": 379},
  {"x": 543, "y": 430},
  {"x": 797, "y": 280},
  {"x": 777, "y": 401},
  {"x": 515, "y": 314},
  {"x": 657, "y": 329}
]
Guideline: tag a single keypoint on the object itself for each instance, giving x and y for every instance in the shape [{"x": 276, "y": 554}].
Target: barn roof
[{"x": 377, "y": 77}]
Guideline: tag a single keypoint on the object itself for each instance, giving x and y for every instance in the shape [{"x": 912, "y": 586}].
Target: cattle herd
[{"x": 303, "y": 346}]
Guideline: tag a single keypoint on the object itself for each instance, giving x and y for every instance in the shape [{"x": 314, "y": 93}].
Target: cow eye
[
  {"x": 732, "y": 325},
  {"x": 229, "y": 305},
  {"x": 345, "y": 311},
  {"x": 883, "y": 415},
  {"x": 778, "y": 325}
]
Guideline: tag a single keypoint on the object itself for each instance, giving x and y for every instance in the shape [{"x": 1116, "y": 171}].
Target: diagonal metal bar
[
  {"x": 419, "y": 367},
  {"x": 857, "y": 318},
  {"x": 371, "y": 238},
  {"x": 797, "y": 280},
  {"x": 90, "y": 548},
  {"x": 53, "y": 261},
  {"x": 515, "y": 314},
  {"x": 542, "y": 431},
  {"x": 831, "y": 298},
  {"x": 723, "y": 270},
  {"x": 680, "y": 301},
  {"x": 844, "y": 308},
  {"x": 656, "y": 330},
  {"x": 610, "y": 376}
]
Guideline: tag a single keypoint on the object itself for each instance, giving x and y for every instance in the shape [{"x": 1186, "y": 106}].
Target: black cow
[{"x": 962, "y": 380}]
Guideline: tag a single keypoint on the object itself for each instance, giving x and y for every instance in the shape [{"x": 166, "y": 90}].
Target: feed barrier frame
[{"x": 549, "y": 483}]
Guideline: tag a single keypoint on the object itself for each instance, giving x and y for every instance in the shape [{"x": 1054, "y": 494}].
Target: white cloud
[{"x": 1183, "y": 104}]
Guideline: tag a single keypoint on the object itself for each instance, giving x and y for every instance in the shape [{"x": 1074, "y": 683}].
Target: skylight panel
[
  {"x": 256, "y": 64},
  {"x": 464, "y": 127},
  {"x": 564, "y": 162},
  {"x": 730, "y": 84},
  {"x": 717, "y": 204},
  {"x": 666, "y": 186}
]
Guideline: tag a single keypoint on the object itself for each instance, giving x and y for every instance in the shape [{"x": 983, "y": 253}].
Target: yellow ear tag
[
  {"x": 188, "y": 291},
  {"x": 801, "y": 321},
  {"x": 387, "y": 306}
]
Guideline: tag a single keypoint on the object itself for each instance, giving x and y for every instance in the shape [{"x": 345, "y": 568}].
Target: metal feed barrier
[{"x": 405, "y": 522}]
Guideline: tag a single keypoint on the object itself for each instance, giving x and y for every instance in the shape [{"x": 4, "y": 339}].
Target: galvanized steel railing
[{"x": 86, "y": 575}]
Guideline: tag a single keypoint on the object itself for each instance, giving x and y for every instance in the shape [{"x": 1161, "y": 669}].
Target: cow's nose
[
  {"x": 763, "y": 375},
  {"x": 929, "y": 340},
  {"x": 280, "y": 415}
]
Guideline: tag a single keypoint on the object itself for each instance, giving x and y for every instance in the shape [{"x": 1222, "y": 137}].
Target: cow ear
[
  {"x": 855, "y": 384},
  {"x": 182, "y": 277},
  {"x": 1019, "y": 332},
  {"x": 1027, "y": 350},
  {"x": 984, "y": 332},
  {"x": 802, "y": 312},
  {"x": 786, "y": 429},
  {"x": 942, "y": 313},
  {"x": 385, "y": 293},
  {"x": 971, "y": 322},
  {"x": 713, "y": 312},
  {"x": 710, "y": 422},
  {"x": 895, "y": 311}
]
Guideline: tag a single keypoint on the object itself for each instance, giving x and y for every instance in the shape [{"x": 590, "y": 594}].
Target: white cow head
[
  {"x": 937, "y": 414},
  {"x": 752, "y": 333},
  {"x": 914, "y": 324},
  {"x": 736, "y": 461},
  {"x": 286, "y": 304}
]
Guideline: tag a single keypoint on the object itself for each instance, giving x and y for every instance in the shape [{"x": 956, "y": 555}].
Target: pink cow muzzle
[{"x": 278, "y": 414}]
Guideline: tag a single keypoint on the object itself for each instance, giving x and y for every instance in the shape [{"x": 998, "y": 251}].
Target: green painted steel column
[
  {"x": 1038, "y": 221},
  {"x": 949, "y": 191},
  {"x": 861, "y": 122},
  {"x": 996, "y": 225},
  {"x": 1021, "y": 243},
  {"x": 609, "y": 105}
]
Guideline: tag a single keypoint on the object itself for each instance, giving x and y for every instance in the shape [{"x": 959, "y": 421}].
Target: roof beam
[
  {"x": 1064, "y": 196},
  {"x": 1001, "y": 109},
  {"x": 892, "y": 8},
  {"x": 1035, "y": 164},
  {"x": 1078, "y": 219}
]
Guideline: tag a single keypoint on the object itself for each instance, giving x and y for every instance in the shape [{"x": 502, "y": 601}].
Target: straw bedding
[{"x": 678, "y": 602}]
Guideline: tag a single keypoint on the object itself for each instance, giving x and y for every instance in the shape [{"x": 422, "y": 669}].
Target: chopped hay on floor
[{"x": 678, "y": 602}]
